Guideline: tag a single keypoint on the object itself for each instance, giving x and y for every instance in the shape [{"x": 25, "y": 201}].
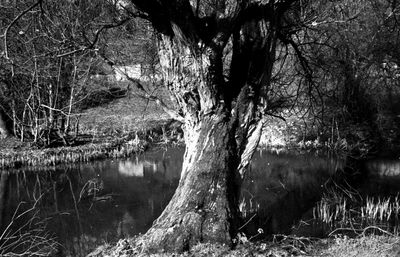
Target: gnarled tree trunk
[
  {"x": 220, "y": 139},
  {"x": 217, "y": 59},
  {"x": 204, "y": 206}
]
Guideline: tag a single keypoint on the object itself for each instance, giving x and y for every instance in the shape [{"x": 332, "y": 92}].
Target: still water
[{"x": 91, "y": 204}]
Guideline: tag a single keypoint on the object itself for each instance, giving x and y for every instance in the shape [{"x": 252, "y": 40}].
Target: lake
[{"x": 90, "y": 204}]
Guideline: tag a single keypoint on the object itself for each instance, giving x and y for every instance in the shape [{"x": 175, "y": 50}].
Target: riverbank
[
  {"x": 116, "y": 131},
  {"x": 337, "y": 246},
  {"x": 163, "y": 133},
  {"x": 130, "y": 124},
  {"x": 88, "y": 147},
  {"x": 108, "y": 129}
]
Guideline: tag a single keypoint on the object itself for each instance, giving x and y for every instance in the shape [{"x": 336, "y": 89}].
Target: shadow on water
[
  {"x": 91, "y": 204},
  {"x": 279, "y": 189}
]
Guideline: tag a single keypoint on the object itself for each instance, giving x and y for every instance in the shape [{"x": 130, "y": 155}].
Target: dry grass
[
  {"x": 339, "y": 246},
  {"x": 61, "y": 155},
  {"x": 124, "y": 115},
  {"x": 349, "y": 212},
  {"x": 365, "y": 246},
  {"x": 26, "y": 235},
  {"x": 109, "y": 131}
]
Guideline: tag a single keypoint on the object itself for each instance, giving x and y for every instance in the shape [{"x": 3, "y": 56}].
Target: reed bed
[
  {"x": 74, "y": 154},
  {"x": 164, "y": 133},
  {"x": 339, "y": 212}
]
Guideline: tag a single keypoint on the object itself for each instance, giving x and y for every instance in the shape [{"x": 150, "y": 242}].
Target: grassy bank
[
  {"x": 130, "y": 125},
  {"x": 339, "y": 246},
  {"x": 305, "y": 133},
  {"x": 118, "y": 128},
  {"x": 73, "y": 154},
  {"x": 91, "y": 147}
]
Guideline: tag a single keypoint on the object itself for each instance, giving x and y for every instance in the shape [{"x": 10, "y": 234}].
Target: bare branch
[
  {"x": 171, "y": 112},
  {"x": 6, "y": 31},
  {"x": 96, "y": 38}
]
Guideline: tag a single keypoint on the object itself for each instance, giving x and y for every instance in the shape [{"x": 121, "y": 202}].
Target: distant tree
[
  {"x": 352, "y": 48},
  {"x": 48, "y": 49}
]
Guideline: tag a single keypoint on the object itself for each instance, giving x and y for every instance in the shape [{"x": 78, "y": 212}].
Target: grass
[
  {"x": 130, "y": 124},
  {"x": 381, "y": 209},
  {"x": 61, "y": 155},
  {"x": 366, "y": 246},
  {"x": 350, "y": 213},
  {"x": 301, "y": 131},
  {"x": 282, "y": 246},
  {"x": 161, "y": 133},
  {"x": 26, "y": 235},
  {"x": 117, "y": 129},
  {"x": 123, "y": 115}
]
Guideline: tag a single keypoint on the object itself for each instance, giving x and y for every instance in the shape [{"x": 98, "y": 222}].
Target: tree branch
[
  {"x": 5, "y": 35},
  {"x": 171, "y": 112},
  {"x": 96, "y": 38}
]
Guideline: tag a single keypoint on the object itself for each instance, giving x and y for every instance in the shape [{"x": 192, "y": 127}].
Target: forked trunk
[
  {"x": 203, "y": 208},
  {"x": 218, "y": 137}
]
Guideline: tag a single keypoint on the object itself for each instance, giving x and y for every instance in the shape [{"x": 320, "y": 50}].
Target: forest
[{"x": 213, "y": 84}]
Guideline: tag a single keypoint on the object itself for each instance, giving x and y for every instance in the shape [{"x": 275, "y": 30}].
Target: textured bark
[
  {"x": 204, "y": 207},
  {"x": 219, "y": 135},
  {"x": 216, "y": 59}
]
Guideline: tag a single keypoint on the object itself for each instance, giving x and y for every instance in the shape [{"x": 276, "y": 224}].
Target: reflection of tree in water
[
  {"x": 383, "y": 168},
  {"x": 3, "y": 192},
  {"x": 163, "y": 165},
  {"x": 380, "y": 178},
  {"x": 127, "y": 205}
]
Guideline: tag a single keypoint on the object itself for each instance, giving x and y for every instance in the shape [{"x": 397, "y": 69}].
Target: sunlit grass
[
  {"x": 61, "y": 155},
  {"x": 381, "y": 209},
  {"x": 341, "y": 212}
]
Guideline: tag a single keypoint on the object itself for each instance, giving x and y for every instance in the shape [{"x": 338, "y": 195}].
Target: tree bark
[
  {"x": 204, "y": 206},
  {"x": 217, "y": 62},
  {"x": 221, "y": 135}
]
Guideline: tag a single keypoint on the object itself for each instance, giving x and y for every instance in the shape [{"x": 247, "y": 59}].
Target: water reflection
[
  {"x": 382, "y": 178},
  {"x": 281, "y": 188},
  {"x": 91, "y": 204},
  {"x": 384, "y": 168},
  {"x": 3, "y": 190}
]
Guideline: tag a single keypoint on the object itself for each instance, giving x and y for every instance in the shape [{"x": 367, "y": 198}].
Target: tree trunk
[
  {"x": 204, "y": 206},
  {"x": 4, "y": 132},
  {"x": 217, "y": 74}
]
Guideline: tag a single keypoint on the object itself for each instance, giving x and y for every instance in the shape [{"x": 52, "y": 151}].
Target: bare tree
[
  {"x": 217, "y": 60},
  {"x": 48, "y": 48},
  {"x": 353, "y": 47}
]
